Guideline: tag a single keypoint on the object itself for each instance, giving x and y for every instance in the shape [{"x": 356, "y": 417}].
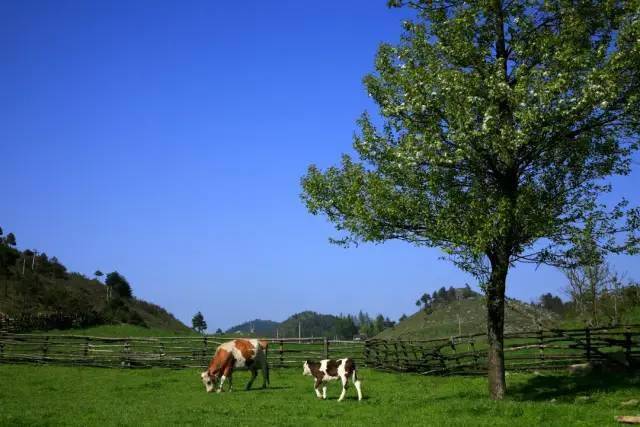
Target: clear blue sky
[{"x": 166, "y": 140}]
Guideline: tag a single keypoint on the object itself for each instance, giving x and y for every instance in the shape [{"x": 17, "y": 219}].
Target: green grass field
[{"x": 49, "y": 395}]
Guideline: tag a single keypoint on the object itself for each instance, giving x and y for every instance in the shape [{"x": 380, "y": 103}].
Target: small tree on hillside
[
  {"x": 198, "y": 323},
  {"x": 117, "y": 286},
  {"x": 98, "y": 274},
  {"x": 501, "y": 122}
]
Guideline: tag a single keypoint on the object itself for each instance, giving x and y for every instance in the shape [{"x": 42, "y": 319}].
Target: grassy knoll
[
  {"x": 48, "y": 395},
  {"x": 442, "y": 320}
]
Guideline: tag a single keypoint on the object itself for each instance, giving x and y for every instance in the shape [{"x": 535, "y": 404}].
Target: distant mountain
[
  {"x": 468, "y": 316},
  {"x": 310, "y": 323},
  {"x": 258, "y": 327}
]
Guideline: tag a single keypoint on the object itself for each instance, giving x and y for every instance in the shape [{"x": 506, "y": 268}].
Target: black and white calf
[{"x": 328, "y": 370}]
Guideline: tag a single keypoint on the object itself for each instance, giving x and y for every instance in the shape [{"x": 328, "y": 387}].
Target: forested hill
[
  {"x": 310, "y": 323},
  {"x": 258, "y": 327},
  {"x": 33, "y": 283}
]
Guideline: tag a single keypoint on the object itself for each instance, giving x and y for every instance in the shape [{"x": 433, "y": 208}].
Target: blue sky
[{"x": 166, "y": 140}]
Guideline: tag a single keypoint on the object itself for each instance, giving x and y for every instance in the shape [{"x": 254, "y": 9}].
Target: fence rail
[
  {"x": 542, "y": 349},
  {"x": 170, "y": 352}
]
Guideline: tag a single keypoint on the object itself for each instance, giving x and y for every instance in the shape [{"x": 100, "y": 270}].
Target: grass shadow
[{"x": 567, "y": 387}]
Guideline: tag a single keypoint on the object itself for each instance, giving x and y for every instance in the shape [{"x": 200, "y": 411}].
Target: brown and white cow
[
  {"x": 240, "y": 353},
  {"x": 328, "y": 370}
]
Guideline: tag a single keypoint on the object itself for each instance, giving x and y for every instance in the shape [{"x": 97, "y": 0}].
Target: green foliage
[
  {"x": 80, "y": 396},
  {"x": 198, "y": 323},
  {"x": 119, "y": 285},
  {"x": 553, "y": 303},
  {"x": 500, "y": 122}
]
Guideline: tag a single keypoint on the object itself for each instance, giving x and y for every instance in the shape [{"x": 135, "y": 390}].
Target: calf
[
  {"x": 328, "y": 370},
  {"x": 250, "y": 354}
]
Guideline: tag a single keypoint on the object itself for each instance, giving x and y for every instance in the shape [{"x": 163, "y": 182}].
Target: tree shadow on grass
[{"x": 567, "y": 387}]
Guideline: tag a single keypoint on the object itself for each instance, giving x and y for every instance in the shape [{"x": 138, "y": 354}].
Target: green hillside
[
  {"x": 36, "y": 286},
  {"x": 442, "y": 321}
]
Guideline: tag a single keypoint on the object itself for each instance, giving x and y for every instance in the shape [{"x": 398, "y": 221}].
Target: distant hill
[
  {"x": 310, "y": 322},
  {"x": 32, "y": 284},
  {"x": 258, "y": 327},
  {"x": 442, "y": 321}
]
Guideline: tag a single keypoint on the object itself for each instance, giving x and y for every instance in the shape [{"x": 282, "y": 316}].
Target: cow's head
[
  {"x": 305, "y": 368},
  {"x": 208, "y": 381}
]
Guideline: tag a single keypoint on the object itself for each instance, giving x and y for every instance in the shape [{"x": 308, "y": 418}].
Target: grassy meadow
[{"x": 53, "y": 395}]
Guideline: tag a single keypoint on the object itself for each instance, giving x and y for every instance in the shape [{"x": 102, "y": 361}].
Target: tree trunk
[{"x": 495, "y": 326}]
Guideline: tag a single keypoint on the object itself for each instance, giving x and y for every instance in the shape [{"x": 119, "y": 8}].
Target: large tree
[{"x": 499, "y": 123}]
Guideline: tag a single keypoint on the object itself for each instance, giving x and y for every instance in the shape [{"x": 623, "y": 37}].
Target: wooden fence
[
  {"x": 543, "y": 349},
  {"x": 170, "y": 352}
]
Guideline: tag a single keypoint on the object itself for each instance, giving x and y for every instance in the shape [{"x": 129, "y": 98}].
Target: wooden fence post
[
  {"x": 126, "y": 362},
  {"x": 204, "y": 350},
  {"x": 455, "y": 352},
  {"x": 326, "y": 347},
  {"x": 45, "y": 347},
  {"x": 281, "y": 353},
  {"x": 86, "y": 348},
  {"x": 475, "y": 353},
  {"x": 541, "y": 343},
  {"x": 588, "y": 340},
  {"x": 627, "y": 349}
]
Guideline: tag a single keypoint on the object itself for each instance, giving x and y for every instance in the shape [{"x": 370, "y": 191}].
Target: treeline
[
  {"x": 444, "y": 295},
  {"x": 598, "y": 296},
  {"x": 341, "y": 326}
]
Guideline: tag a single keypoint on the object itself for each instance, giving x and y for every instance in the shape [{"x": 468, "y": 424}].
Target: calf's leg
[
  {"x": 316, "y": 388},
  {"x": 345, "y": 383}
]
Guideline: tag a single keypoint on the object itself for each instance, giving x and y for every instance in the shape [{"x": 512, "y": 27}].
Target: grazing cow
[
  {"x": 250, "y": 354},
  {"x": 328, "y": 370}
]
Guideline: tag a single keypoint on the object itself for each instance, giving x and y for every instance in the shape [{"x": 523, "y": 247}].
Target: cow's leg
[
  {"x": 254, "y": 374},
  {"x": 345, "y": 383},
  {"x": 222, "y": 378},
  {"x": 316, "y": 388},
  {"x": 324, "y": 390},
  {"x": 265, "y": 375},
  {"x": 227, "y": 373}
]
